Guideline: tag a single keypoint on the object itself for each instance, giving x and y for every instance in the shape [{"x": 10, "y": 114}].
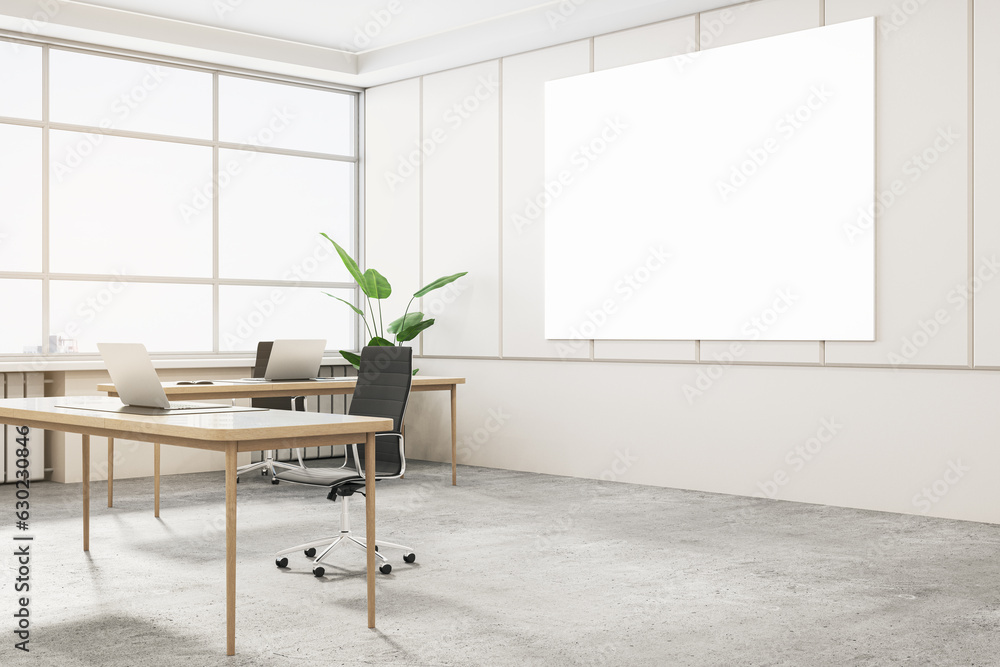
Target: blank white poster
[{"x": 726, "y": 194}]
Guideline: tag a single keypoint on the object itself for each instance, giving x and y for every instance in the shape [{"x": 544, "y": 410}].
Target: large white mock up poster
[{"x": 726, "y": 194}]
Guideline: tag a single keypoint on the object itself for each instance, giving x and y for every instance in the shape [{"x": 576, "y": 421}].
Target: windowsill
[{"x": 61, "y": 363}]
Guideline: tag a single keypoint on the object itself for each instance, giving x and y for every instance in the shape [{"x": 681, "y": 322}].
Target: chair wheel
[
  {"x": 385, "y": 568},
  {"x": 318, "y": 571},
  {"x": 310, "y": 552},
  {"x": 281, "y": 562},
  {"x": 376, "y": 547},
  {"x": 237, "y": 480},
  {"x": 274, "y": 480},
  {"x": 264, "y": 471},
  {"x": 409, "y": 558}
]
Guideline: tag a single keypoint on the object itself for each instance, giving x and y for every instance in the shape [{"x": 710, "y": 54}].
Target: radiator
[
  {"x": 22, "y": 385},
  {"x": 331, "y": 404}
]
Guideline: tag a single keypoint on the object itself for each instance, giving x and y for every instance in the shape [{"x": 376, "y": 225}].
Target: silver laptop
[
  {"x": 292, "y": 359},
  {"x": 135, "y": 378}
]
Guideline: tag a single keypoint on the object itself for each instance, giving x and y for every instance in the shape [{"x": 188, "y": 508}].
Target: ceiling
[{"x": 353, "y": 42}]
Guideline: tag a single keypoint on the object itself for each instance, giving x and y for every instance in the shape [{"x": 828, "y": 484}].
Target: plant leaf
[
  {"x": 353, "y": 307},
  {"x": 415, "y": 371},
  {"x": 351, "y": 265},
  {"x": 380, "y": 342},
  {"x": 410, "y": 333},
  {"x": 351, "y": 357},
  {"x": 398, "y": 324},
  {"x": 379, "y": 286},
  {"x": 440, "y": 282}
]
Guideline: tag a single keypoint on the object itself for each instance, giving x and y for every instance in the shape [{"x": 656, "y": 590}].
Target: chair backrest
[
  {"x": 278, "y": 403},
  {"x": 382, "y": 390}
]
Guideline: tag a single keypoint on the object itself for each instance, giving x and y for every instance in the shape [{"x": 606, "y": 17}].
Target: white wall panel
[
  {"x": 761, "y": 351},
  {"x": 872, "y": 438},
  {"x": 392, "y": 189},
  {"x": 922, "y": 176},
  {"x": 659, "y": 40},
  {"x": 649, "y": 42},
  {"x": 987, "y": 176},
  {"x": 757, "y": 20},
  {"x": 749, "y": 21},
  {"x": 461, "y": 206},
  {"x": 524, "y": 190}
]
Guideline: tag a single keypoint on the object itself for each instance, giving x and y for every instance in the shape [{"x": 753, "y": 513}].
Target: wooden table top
[
  {"x": 219, "y": 427},
  {"x": 232, "y": 389}
]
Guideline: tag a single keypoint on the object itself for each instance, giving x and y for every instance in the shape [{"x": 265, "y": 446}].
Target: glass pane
[
  {"x": 129, "y": 206},
  {"x": 272, "y": 209},
  {"x": 20, "y": 198},
  {"x": 128, "y": 95},
  {"x": 21, "y": 301},
  {"x": 166, "y": 318},
  {"x": 275, "y": 115},
  {"x": 20, "y": 80},
  {"x": 250, "y": 314}
]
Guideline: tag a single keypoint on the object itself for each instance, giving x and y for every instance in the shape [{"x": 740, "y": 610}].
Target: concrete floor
[{"x": 512, "y": 569}]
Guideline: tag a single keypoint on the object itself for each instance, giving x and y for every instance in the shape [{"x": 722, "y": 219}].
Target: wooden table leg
[
  {"x": 454, "y": 435},
  {"x": 231, "y": 549},
  {"x": 370, "y": 522},
  {"x": 86, "y": 493},
  {"x": 156, "y": 480},
  {"x": 111, "y": 471}
]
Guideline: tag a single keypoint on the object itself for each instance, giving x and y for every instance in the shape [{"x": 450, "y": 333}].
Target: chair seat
[
  {"x": 319, "y": 476},
  {"x": 331, "y": 476}
]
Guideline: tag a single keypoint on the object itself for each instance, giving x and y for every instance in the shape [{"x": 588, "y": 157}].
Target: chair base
[
  {"x": 329, "y": 544},
  {"x": 267, "y": 466}
]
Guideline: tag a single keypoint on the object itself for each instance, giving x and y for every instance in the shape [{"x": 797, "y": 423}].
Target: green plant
[{"x": 374, "y": 286}]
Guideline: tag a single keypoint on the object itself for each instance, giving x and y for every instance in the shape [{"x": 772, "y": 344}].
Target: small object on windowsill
[{"x": 195, "y": 382}]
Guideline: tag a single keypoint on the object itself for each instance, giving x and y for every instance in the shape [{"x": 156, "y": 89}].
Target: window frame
[{"x": 46, "y": 276}]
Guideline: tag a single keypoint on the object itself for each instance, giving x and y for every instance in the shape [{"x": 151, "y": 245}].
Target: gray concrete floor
[{"x": 512, "y": 569}]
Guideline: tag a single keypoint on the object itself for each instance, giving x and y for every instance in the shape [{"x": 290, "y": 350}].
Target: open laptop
[
  {"x": 288, "y": 360},
  {"x": 135, "y": 378}
]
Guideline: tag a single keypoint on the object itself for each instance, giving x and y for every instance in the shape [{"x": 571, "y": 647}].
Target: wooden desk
[
  {"x": 228, "y": 432},
  {"x": 226, "y": 389}
]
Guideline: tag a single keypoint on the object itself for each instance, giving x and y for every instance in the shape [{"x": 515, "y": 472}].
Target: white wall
[{"x": 910, "y": 406}]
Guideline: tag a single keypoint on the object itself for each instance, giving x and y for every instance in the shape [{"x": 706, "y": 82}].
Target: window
[{"x": 173, "y": 205}]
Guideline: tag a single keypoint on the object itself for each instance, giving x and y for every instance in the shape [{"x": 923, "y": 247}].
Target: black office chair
[
  {"x": 382, "y": 389},
  {"x": 268, "y": 464}
]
